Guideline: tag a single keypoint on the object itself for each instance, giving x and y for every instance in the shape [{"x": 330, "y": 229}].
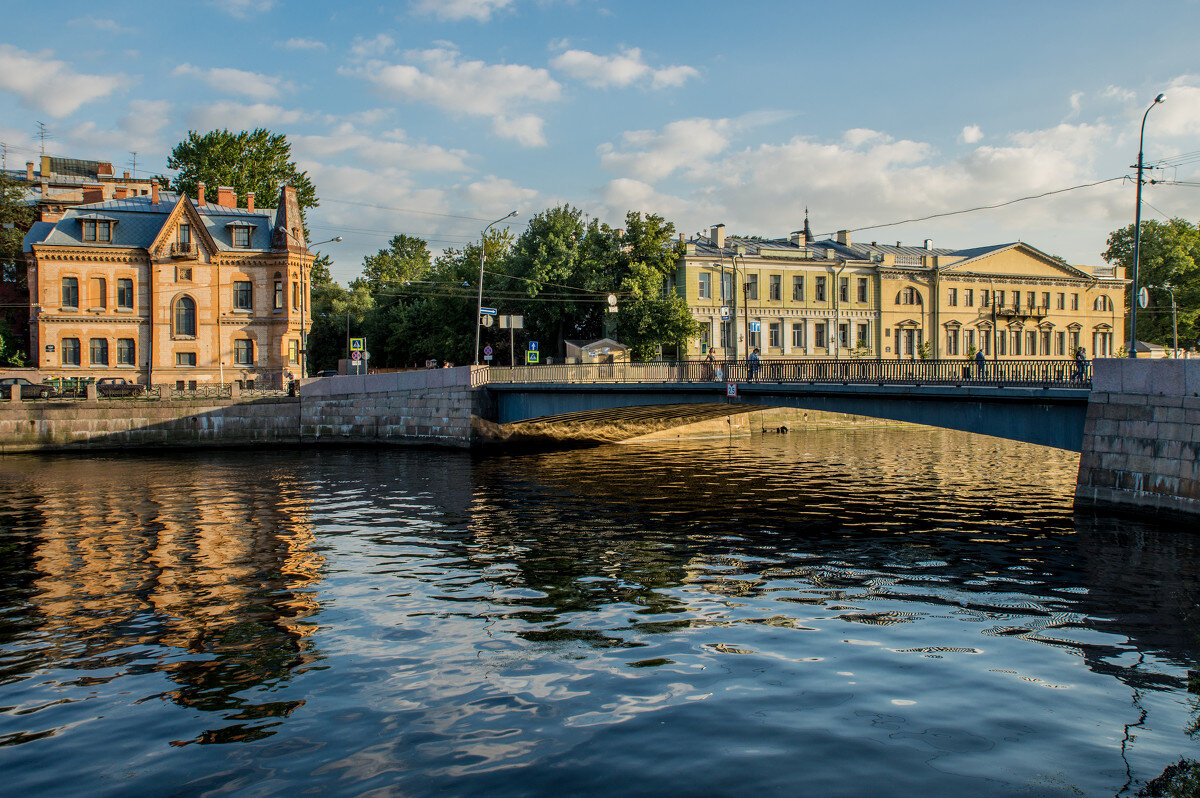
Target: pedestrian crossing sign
[{"x": 531, "y": 356}]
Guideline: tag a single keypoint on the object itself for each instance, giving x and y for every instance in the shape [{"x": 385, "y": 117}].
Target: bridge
[{"x": 1034, "y": 401}]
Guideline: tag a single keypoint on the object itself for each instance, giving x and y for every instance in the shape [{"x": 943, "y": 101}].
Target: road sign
[
  {"x": 486, "y": 321},
  {"x": 356, "y": 344},
  {"x": 703, "y": 348},
  {"x": 487, "y": 350},
  {"x": 366, "y": 355},
  {"x": 531, "y": 356},
  {"x": 533, "y": 346},
  {"x": 612, "y": 300},
  {"x": 731, "y": 389},
  {"x": 356, "y": 355},
  {"x": 725, "y": 312},
  {"x": 755, "y": 326},
  {"x": 488, "y": 311},
  {"x": 1143, "y": 298}
]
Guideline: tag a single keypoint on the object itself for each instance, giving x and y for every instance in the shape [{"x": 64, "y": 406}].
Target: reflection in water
[{"x": 893, "y": 610}]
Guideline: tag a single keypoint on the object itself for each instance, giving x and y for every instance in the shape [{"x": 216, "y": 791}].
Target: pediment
[
  {"x": 184, "y": 212},
  {"x": 1014, "y": 260}
]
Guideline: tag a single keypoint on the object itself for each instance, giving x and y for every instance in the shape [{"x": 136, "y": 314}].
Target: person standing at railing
[
  {"x": 1080, "y": 364},
  {"x": 980, "y": 360},
  {"x": 753, "y": 364},
  {"x": 710, "y": 367},
  {"x": 291, "y": 384}
]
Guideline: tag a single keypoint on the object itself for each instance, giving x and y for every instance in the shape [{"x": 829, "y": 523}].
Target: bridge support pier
[{"x": 1141, "y": 441}]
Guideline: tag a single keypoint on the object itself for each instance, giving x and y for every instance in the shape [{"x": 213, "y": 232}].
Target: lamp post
[
  {"x": 482, "y": 255},
  {"x": 305, "y": 298},
  {"x": 1137, "y": 234}
]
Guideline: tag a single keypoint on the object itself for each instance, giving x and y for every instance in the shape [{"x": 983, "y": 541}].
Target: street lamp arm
[
  {"x": 482, "y": 257},
  {"x": 305, "y": 298},
  {"x": 1137, "y": 232}
]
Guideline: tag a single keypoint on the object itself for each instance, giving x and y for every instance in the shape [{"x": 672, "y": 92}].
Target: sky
[{"x": 435, "y": 117}]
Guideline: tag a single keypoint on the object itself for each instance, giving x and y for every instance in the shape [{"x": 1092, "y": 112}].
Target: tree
[
  {"x": 652, "y": 313},
  {"x": 258, "y": 161},
  {"x": 1170, "y": 254},
  {"x": 337, "y": 313},
  {"x": 405, "y": 258},
  {"x": 16, "y": 215}
]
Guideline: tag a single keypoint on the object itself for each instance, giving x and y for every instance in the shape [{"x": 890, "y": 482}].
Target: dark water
[{"x": 876, "y": 612}]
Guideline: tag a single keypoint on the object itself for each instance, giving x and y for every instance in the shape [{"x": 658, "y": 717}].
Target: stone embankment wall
[
  {"x": 1141, "y": 442},
  {"x": 434, "y": 406},
  {"x": 142, "y": 423}
]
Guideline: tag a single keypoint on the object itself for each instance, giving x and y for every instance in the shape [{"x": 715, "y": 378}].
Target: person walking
[
  {"x": 753, "y": 364},
  {"x": 710, "y": 367},
  {"x": 1080, "y": 364},
  {"x": 979, "y": 364}
]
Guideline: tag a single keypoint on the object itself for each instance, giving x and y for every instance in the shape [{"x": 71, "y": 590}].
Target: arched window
[
  {"x": 185, "y": 317},
  {"x": 908, "y": 296},
  {"x": 1102, "y": 303}
]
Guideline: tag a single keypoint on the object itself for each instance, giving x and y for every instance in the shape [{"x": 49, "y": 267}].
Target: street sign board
[
  {"x": 1143, "y": 298},
  {"x": 357, "y": 344},
  {"x": 533, "y": 346},
  {"x": 725, "y": 312},
  {"x": 487, "y": 321},
  {"x": 531, "y": 356},
  {"x": 487, "y": 350},
  {"x": 356, "y": 355},
  {"x": 755, "y": 326},
  {"x": 488, "y": 311},
  {"x": 731, "y": 389}
]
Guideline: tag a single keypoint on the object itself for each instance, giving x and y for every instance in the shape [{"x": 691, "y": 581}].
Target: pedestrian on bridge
[
  {"x": 979, "y": 363},
  {"x": 710, "y": 367},
  {"x": 753, "y": 364},
  {"x": 1080, "y": 364}
]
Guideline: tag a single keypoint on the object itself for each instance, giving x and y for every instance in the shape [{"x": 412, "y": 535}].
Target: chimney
[
  {"x": 29, "y": 171},
  {"x": 843, "y": 237},
  {"x": 226, "y": 196},
  {"x": 200, "y": 194},
  {"x": 93, "y": 194},
  {"x": 120, "y": 192},
  {"x": 250, "y": 201},
  {"x": 126, "y": 175},
  {"x": 154, "y": 192},
  {"x": 287, "y": 218},
  {"x": 717, "y": 236},
  {"x": 929, "y": 243}
]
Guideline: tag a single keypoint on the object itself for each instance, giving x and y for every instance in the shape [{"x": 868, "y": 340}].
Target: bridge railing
[{"x": 1050, "y": 373}]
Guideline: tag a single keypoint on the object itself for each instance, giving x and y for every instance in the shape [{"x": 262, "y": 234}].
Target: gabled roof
[{"x": 979, "y": 253}]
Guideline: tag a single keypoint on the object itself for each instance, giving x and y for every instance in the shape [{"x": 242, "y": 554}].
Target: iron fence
[{"x": 1049, "y": 373}]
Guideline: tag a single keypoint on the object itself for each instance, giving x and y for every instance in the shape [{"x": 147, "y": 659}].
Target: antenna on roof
[
  {"x": 43, "y": 134},
  {"x": 133, "y": 162}
]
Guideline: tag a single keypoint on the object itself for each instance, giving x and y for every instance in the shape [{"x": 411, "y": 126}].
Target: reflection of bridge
[{"x": 1042, "y": 402}]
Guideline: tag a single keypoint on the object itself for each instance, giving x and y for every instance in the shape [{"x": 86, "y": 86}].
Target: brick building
[{"x": 166, "y": 290}]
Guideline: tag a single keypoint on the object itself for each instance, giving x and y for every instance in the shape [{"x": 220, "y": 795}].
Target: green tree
[
  {"x": 337, "y": 314},
  {"x": 16, "y": 215},
  {"x": 652, "y": 313},
  {"x": 1170, "y": 254},
  {"x": 258, "y": 161},
  {"x": 405, "y": 258}
]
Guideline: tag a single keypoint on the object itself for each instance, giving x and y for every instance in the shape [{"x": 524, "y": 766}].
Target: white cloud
[
  {"x": 378, "y": 45},
  {"x": 392, "y": 150},
  {"x": 625, "y": 194},
  {"x": 496, "y": 195},
  {"x": 619, "y": 69},
  {"x": 137, "y": 130},
  {"x": 452, "y": 10},
  {"x": 302, "y": 43},
  {"x": 254, "y": 85},
  {"x": 1076, "y": 102},
  {"x": 971, "y": 134},
  {"x": 1179, "y": 114},
  {"x": 1118, "y": 93},
  {"x": 44, "y": 84},
  {"x": 652, "y": 155},
  {"x": 99, "y": 23},
  {"x": 441, "y": 78},
  {"x": 240, "y": 116},
  {"x": 243, "y": 8}
]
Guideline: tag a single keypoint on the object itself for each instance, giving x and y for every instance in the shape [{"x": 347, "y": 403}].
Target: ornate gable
[
  {"x": 1015, "y": 260},
  {"x": 200, "y": 242}
]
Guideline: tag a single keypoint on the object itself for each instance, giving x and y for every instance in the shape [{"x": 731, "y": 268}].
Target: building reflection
[{"x": 205, "y": 558}]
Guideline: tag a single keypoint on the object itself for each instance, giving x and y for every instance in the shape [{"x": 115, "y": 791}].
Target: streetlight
[
  {"x": 1174, "y": 317},
  {"x": 482, "y": 254},
  {"x": 1137, "y": 234},
  {"x": 305, "y": 297}
]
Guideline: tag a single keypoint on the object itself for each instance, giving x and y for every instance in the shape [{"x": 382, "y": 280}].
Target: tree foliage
[
  {"x": 405, "y": 258},
  {"x": 257, "y": 160},
  {"x": 16, "y": 215},
  {"x": 1170, "y": 255}
]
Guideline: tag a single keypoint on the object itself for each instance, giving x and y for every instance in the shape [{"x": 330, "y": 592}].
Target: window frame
[
  {"x": 125, "y": 284},
  {"x": 176, "y": 326},
  {"x": 243, "y": 295},
  {"x": 98, "y": 352},
  {"x": 69, "y": 345},
  {"x": 243, "y": 352},
  {"x": 73, "y": 291},
  {"x": 126, "y": 347}
]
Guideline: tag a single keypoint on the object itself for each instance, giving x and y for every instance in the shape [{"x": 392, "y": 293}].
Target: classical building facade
[
  {"x": 799, "y": 297},
  {"x": 166, "y": 290}
]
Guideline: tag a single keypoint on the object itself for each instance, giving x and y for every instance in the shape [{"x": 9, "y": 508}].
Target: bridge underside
[{"x": 1046, "y": 416}]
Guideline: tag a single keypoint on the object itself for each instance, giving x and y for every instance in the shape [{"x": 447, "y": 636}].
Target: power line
[{"x": 404, "y": 210}]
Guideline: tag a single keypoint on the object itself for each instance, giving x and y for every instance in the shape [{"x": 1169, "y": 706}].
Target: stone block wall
[
  {"x": 1141, "y": 444},
  {"x": 433, "y": 406}
]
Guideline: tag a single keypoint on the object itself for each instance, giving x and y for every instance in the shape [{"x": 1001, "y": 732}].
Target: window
[
  {"x": 243, "y": 352},
  {"x": 1075, "y": 304},
  {"x": 185, "y": 317},
  {"x": 70, "y": 351},
  {"x": 969, "y": 340},
  {"x": 776, "y": 287},
  {"x": 1060, "y": 343},
  {"x": 1016, "y": 339},
  {"x": 126, "y": 352},
  {"x": 1062, "y": 302},
  {"x": 99, "y": 293},
  {"x": 862, "y": 289},
  {"x": 70, "y": 292},
  {"x": 1046, "y": 300},
  {"x": 844, "y": 335},
  {"x": 1001, "y": 343},
  {"x": 985, "y": 339},
  {"x": 125, "y": 293},
  {"x": 243, "y": 296},
  {"x": 752, "y": 286},
  {"x": 798, "y": 288},
  {"x": 706, "y": 332},
  {"x": 89, "y": 230},
  {"x": 1045, "y": 342},
  {"x": 1074, "y": 343},
  {"x": 705, "y": 285},
  {"x": 293, "y": 352},
  {"x": 843, "y": 289},
  {"x": 752, "y": 337},
  {"x": 775, "y": 335},
  {"x": 952, "y": 342},
  {"x": 969, "y": 297},
  {"x": 278, "y": 291},
  {"x": 94, "y": 230},
  {"x": 1000, "y": 297},
  {"x": 1030, "y": 343},
  {"x": 820, "y": 291},
  {"x": 185, "y": 234},
  {"x": 98, "y": 352},
  {"x": 797, "y": 336},
  {"x": 185, "y": 359},
  {"x": 953, "y": 298},
  {"x": 296, "y": 295},
  {"x": 861, "y": 338},
  {"x": 1030, "y": 298},
  {"x": 819, "y": 333},
  {"x": 727, "y": 335},
  {"x": 1102, "y": 303},
  {"x": 241, "y": 237},
  {"x": 908, "y": 296},
  {"x": 984, "y": 297}
]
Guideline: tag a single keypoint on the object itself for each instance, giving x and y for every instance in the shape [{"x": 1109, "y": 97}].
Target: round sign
[
  {"x": 1143, "y": 298},
  {"x": 366, "y": 355},
  {"x": 486, "y": 321},
  {"x": 356, "y": 355},
  {"x": 612, "y": 300},
  {"x": 487, "y": 350}
]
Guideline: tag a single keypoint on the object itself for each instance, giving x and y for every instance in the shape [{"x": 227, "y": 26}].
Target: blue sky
[{"x": 865, "y": 112}]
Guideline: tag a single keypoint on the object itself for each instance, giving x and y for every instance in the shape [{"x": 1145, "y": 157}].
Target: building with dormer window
[{"x": 167, "y": 290}]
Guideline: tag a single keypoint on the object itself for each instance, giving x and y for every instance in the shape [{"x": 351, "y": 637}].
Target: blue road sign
[
  {"x": 755, "y": 326},
  {"x": 531, "y": 357},
  {"x": 488, "y": 311},
  {"x": 533, "y": 346}
]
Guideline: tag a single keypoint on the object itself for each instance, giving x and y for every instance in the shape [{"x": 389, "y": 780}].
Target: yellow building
[{"x": 798, "y": 297}]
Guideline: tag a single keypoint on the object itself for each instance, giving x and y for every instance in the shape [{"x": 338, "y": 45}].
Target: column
[
  {"x": 808, "y": 336},
  {"x": 785, "y": 330}
]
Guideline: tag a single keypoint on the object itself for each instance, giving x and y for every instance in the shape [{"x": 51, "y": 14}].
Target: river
[{"x": 902, "y": 611}]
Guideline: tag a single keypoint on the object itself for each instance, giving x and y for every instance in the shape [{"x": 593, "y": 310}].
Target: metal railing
[{"x": 1048, "y": 373}]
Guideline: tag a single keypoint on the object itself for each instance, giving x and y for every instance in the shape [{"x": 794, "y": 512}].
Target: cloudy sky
[{"x": 433, "y": 117}]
